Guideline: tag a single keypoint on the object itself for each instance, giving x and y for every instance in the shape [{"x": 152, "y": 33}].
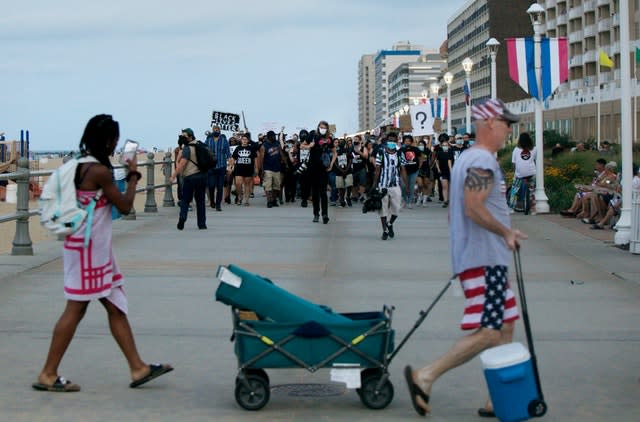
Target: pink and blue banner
[{"x": 554, "y": 64}]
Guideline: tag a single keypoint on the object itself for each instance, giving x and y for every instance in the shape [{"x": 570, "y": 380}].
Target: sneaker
[
  {"x": 251, "y": 195},
  {"x": 325, "y": 219},
  {"x": 180, "y": 225},
  {"x": 385, "y": 235},
  {"x": 333, "y": 204},
  {"x": 411, "y": 206},
  {"x": 390, "y": 229},
  {"x": 445, "y": 204},
  {"x": 316, "y": 218},
  {"x": 202, "y": 227},
  {"x": 281, "y": 202},
  {"x": 349, "y": 203},
  {"x": 303, "y": 204},
  {"x": 275, "y": 204},
  {"x": 246, "y": 204},
  {"x": 269, "y": 204},
  {"x": 343, "y": 204},
  {"x": 227, "y": 200},
  {"x": 362, "y": 199},
  {"x": 218, "y": 209},
  {"x": 429, "y": 199}
]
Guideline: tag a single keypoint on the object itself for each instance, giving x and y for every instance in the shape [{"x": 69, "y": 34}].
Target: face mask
[
  {"x": 421, "y": 148},
  {"x": 471, "y": 142},
  {"x": 445, "y": 149},
  {"x": 459, "y": 142},
  {"x": 216, "y": 133},
  {"x": 322, "y": 131}
]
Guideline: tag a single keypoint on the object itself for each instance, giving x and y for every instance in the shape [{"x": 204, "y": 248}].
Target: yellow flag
[{"x": 605, "y": 60}]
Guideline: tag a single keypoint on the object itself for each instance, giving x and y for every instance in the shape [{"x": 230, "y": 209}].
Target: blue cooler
[{"x": 511, "y": 381}]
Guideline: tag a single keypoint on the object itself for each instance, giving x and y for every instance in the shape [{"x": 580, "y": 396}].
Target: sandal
[
  {"x": 155, "y": 370},
  {"x": 415, "y": 391},
  {"x": 60, "y": 385},
  {"x": 597, "y": 227}
]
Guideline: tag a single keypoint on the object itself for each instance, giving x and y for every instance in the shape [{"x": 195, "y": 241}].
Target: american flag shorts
[{"x": 490, "y": 302}]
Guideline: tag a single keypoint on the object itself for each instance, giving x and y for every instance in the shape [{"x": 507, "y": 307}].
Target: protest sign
[
  {"x": 226, "y": 121},
  {"x": 421, "y": 119}
]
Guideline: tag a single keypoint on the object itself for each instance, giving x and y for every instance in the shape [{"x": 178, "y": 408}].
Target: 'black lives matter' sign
[{"x": 226, "y": 121}]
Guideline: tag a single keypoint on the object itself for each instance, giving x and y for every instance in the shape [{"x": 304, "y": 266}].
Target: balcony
[
  {"x": 550, "y": 3},
  {"x": 590, "y": 31},
  {"x": 551, "y": 24},
  {"x": 614, "y": 48},
  {"x": 576, "y": 36},
  {"x": 591, "y": 80},
  {"x": 575, "y": 12},
  {"x": 561, "y": 19},
  {"x": 603, "y": 2},
  {"x": 575, "y": 61},
  {"x": 615, "y": 19},
  {"x": 589, "y": 56},
  {"x": 589, "y": 5},
  {"x": 575, "y": 84},
  {"x": 604, "y": 25}
]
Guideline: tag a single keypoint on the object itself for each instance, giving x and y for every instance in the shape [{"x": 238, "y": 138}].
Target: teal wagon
[{"x": 273, "y": 328}]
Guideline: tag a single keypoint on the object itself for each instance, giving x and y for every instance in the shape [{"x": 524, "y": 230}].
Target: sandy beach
[{"x": 37, "y": 233}]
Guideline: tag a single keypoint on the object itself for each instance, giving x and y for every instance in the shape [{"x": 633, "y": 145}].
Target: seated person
[
  {"x": 615, "y": 204},
  {"x": 580, "y": 206}
]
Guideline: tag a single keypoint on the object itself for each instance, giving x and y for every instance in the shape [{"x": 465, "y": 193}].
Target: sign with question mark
[{"x": 421, "y": 120}]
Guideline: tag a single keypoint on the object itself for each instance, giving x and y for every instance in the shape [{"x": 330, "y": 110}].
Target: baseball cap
[
  {"x": 188, "y": 131},
  {"x": 491, "y": 108}
]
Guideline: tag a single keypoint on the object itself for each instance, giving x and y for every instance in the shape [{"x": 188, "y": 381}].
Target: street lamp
[
  {"x": 405, "y": 108},
  {"x": 535, "y": 12},
  {"x": 424, "y": 96},
  {"x": 467, "y": 65},
  {"x": 492, "y": 46},
  {"x": 434, "y": 88},
  {"x": 448, "y": 78},
  {"x": 626, "y": 224}
]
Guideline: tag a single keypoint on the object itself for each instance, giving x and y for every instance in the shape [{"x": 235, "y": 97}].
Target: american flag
[{"x": 467, "y": 93}]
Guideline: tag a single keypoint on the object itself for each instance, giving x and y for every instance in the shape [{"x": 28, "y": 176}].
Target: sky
[{"x": 160, "y": 66}]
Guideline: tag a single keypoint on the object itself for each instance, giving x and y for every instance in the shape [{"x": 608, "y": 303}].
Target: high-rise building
[
  {"x": 366, "y": 92},
  {"x": 592, "y": 28},
  {"x": 410, "y": 81},
  {"x": 468, "y": 30},
  {"x": 385, "y": 62}
]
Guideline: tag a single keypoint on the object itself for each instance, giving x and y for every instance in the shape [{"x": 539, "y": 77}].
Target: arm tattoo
[{"x": 478, "y": 179}]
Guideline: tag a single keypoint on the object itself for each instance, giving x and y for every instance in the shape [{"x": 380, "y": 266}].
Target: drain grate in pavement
[{"x": 308, "y": 390}]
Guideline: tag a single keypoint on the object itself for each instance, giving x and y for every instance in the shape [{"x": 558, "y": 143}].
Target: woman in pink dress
[{"x": 90, "y": 269}]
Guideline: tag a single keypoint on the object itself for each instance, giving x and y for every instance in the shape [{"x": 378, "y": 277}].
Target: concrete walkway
[{"x": 583, "y": 302}]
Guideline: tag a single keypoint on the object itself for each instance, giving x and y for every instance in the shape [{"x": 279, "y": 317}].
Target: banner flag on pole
[
  {"x": 554, "y": 64},
  {"x": 438, "y": 108},
  {"x": 637, "y": 55},
  {"x": 467, "y": 93},
  {"x": 604, "y": 60}
]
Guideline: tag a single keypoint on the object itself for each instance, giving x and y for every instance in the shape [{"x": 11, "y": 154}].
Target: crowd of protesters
[{"x": 327, "y": 170}]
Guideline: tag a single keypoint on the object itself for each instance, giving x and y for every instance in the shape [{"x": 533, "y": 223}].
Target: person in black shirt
[
  {"x": 359, "y": 158},
  {"x": 322, "y": 155},
  {"x": 304, "y": 149},
  {"x": 244, "y": 159},
  {"x": 425, "y": 173},
  {"x": 457, "y": 149},
  {"x": 443, "y": 163},
  {"x": 411, "y": 161}
]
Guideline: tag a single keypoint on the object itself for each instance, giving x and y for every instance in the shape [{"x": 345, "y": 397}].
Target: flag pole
[
  {"x": 635, "y": 96},
  {"x": 598, "y": 104}
]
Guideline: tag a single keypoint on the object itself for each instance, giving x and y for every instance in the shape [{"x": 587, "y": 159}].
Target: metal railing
[{"x": 22, "y": 244}]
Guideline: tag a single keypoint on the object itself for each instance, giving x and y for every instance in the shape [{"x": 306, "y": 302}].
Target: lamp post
[
  {"x": 424, "y": 96},
  {"x": 467, "y": 65},
  {"x": 493, "y": 46},
  {"x": 535, "y": 12},
  {"x": 448, "y": 78},
  {"x": 623, "y": 227}
]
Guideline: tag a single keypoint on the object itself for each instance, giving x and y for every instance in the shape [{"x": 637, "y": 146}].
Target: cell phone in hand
[{"x": 129, "y": 151}]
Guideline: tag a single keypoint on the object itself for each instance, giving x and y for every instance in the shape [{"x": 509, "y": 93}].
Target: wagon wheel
[
  {"x": 537, "y": 408},
  {"x": 253, "y": 392},
  {"x": 372, "y": 398}
]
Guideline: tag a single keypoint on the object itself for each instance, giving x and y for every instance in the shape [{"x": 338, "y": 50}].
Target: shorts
[
  {"x": 360, "y": 178},
  {"x": 344, "y": 181},
  {"x": 391, "y": 202},
  {"x": 490, "y": 302},
  {"x": 271, "y": 180}
]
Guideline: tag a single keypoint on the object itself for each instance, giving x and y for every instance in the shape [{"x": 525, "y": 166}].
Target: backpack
[
  {"x": 60, "y": 212},
  {"x": 205, "y": 158}
]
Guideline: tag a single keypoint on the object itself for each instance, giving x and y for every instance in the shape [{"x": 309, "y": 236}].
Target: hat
[
  {"x": 611, "y": 165},
  {"x": 391, "y": 145},
  {"x": 189, "y": 132},
  {"x": 491, "y": 108},
  {"x": 458, "y": 136}
]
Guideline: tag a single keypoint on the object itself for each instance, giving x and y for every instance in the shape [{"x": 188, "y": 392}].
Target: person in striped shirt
[
  {"x": 481, "y": 244},
  {"x": 389, "y": 169}
]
